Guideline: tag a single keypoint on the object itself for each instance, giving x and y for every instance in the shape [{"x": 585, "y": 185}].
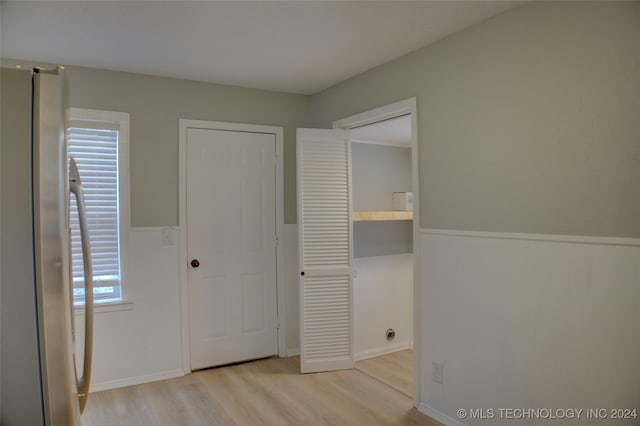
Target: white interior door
[
  {"x": 231, "y": 246},
  {"x": 325, "y": 241}
]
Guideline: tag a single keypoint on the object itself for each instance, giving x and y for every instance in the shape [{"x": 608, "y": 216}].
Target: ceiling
[
  {"x": 297, "y": 46},
  {"x": 395, "y": 132}
]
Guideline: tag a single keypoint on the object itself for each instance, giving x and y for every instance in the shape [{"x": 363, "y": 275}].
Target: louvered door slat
[{"x": 324, "y": 212}]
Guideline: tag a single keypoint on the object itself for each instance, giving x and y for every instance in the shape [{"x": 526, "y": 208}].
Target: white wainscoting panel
[
  {"x": 383, "y": 299},
  {"x": 141, "y": 342},
  {"x": 528, "y": 321}
]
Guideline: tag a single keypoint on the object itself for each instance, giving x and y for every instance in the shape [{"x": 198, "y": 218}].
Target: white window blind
[{"x": 94, "y": 146}]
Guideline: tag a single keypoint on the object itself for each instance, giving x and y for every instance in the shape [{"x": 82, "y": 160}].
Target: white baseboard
[
  {"x": 130, "y": 381},
  {"x": 293, "y": 352},
  {"x": 370, "y": 353},
  {"x": 438, "y": 415}
]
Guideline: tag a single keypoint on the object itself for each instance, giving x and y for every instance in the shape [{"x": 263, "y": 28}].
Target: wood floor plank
[
  {"x": 266, "y": 392},
  {"x": 394, "y": 369}
]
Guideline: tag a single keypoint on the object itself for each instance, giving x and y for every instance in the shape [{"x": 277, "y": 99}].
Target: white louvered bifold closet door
[{"x": 324, "y": 226}]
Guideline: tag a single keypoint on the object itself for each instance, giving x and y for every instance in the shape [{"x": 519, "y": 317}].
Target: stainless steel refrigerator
[{"x": 42, "y": 382}]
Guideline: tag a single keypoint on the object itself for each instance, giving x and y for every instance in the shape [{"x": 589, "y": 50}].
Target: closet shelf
[{"x": 382, "y": 215}]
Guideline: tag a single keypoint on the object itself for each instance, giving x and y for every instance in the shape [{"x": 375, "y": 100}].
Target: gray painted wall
[
  {"x": 527, "y": 122},
  {"x": 382, "y": 238},
  {"x": 377, "y": 172},
  {"x": 155, "y": 104}
]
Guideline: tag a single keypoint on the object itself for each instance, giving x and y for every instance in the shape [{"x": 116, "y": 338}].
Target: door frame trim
[
  {"x": 396, "y": 109},
  {"x": 278, "y": 132}
]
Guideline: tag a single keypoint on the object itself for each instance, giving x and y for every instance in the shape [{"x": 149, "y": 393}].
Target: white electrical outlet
[{"x": 437, "y": 372}]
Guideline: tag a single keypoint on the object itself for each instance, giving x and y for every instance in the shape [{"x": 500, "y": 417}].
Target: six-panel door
[{"x": 231, "y": 239}]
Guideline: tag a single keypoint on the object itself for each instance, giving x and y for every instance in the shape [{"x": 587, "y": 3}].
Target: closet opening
[{"x": 384, "y": 201}]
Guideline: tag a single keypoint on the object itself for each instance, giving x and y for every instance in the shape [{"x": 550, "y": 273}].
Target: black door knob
[{"x": 195, "y": 263}]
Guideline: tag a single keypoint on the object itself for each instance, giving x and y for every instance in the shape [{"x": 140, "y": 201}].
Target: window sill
[{"x": 120, "y": 305}]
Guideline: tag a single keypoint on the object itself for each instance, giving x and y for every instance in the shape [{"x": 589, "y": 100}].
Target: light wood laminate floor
[
  {"x": 394, "y": 369},
  {"x": 266, "y": 392}
]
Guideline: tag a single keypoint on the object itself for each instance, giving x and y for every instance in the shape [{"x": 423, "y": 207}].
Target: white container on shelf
[{"x": 402, "y": 201}]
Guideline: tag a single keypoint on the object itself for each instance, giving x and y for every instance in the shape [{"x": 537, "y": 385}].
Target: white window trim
[{"x": 122, "y": 118}]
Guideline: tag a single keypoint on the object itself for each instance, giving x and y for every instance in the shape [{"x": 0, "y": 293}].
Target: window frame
[{"x": 121, "y": 120}]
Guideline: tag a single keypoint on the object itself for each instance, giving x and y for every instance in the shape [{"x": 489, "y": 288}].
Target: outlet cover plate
[{"x": 437, "y": 372}]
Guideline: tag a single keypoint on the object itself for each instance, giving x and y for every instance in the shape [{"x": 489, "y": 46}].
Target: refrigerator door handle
[{"x": 75, "y": 187}]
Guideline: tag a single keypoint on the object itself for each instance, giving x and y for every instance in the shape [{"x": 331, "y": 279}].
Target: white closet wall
[{"x": 383, "y": 262}]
